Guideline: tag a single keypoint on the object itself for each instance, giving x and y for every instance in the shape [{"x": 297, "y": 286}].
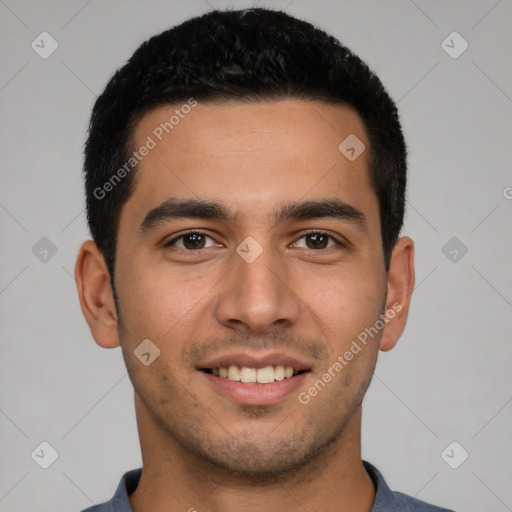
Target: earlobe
[
  {"x": 400, "y": 287},
  {"x": 95, "y": 294}
]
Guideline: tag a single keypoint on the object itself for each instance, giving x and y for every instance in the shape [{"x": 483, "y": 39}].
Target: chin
[{"x": 264, "y": 459}]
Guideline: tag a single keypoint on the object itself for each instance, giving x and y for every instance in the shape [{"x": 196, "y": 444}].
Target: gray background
[{"x": 448, "y": 379}]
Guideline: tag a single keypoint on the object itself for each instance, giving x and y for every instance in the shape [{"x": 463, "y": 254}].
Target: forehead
[{"x": 252, "y": 155}]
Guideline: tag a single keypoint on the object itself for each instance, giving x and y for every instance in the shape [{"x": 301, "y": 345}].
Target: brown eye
[
  {"x": 318, "y": 240},
  {"x": 194, "y": 240}
]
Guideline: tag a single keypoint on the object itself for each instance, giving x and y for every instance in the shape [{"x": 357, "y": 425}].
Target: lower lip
[{"x": 254, "y": 393}]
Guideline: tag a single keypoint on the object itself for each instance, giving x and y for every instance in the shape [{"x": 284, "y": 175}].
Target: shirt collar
[{"x": 384, "y": 498}]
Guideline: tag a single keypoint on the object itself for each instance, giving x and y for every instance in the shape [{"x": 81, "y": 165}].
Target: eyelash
[{"x": 312, "y": 232}]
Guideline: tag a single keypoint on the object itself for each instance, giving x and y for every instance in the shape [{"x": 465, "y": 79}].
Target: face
[{"x": 254, "y": 280}]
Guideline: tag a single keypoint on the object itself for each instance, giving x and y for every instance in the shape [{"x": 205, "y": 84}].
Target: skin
[{"x": 201, "y": 450}]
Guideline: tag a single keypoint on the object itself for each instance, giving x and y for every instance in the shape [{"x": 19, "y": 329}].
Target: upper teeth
[{"x": 260, "y": 375}]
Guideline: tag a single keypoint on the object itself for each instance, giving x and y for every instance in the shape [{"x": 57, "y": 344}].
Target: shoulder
[
  {"x": 103, "y": 507},
  {"x": 120, "y": 502},
  {"x": 387, "y": 500},
  {"x": 410, "y": 504}
]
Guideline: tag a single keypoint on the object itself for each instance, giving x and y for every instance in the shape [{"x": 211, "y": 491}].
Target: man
[{"x": 245, "y": 178}]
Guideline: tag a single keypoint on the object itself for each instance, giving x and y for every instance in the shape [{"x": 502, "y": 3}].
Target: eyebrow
[{"x": 174, "y": 208}]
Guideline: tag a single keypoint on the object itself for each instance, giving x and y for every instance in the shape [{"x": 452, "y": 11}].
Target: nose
[{"x": 258, "y": 295}]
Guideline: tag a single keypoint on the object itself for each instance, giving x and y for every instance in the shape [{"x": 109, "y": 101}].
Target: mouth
[
  {"x": 249, "y": 379},
  {"x": 252, "y": 375}
]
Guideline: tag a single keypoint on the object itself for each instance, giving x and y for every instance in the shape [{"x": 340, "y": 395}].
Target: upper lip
[{"x": 251, "y": 360}]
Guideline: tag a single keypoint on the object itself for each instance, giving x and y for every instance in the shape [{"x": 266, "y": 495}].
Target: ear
[
  {"x": 400, "y": 287},
  {"x": 95, "y": 294}
]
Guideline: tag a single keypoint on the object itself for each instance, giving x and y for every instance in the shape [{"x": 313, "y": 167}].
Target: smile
[
  {"x": 249, "y": 375},
  {"x": 255, "y": 378}
]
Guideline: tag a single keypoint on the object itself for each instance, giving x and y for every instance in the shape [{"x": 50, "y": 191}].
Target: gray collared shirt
[{"x": 385, "y": 499}]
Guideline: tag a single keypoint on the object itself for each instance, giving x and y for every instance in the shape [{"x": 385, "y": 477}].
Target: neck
[{"x": 173, "y": 478}]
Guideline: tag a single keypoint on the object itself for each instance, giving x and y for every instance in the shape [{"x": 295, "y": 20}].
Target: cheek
[
  {"x": 344, "y": 304},
  {"x": 158, "y": 297},
  {"x": 159, "y": 309}
]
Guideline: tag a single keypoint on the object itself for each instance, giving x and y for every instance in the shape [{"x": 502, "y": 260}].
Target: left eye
[
  {"x": 195, "y": 240},
  {"x": 319, "y": 240}
]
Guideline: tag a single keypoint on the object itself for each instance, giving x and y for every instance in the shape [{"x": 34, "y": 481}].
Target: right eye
[{"x": 191, "y": 241}]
